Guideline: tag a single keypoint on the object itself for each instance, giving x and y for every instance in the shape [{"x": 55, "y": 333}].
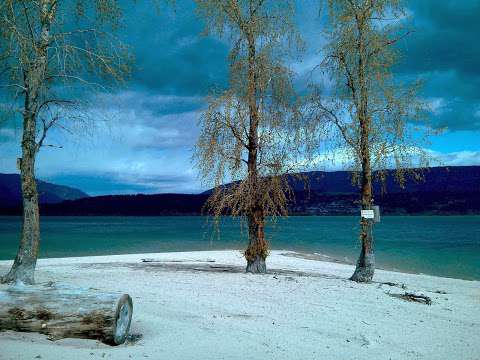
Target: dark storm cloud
[
  {"x": 443, "y": 52},
  {"x": 172, "y": 55},
  {"x": 98, "y": 185},
  {"x": 445, "y": 38},
  {"x": 154, "y": 103}
]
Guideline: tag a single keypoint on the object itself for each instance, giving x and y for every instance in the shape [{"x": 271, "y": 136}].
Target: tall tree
[
  {"x": 247, "y": 130},
  {"x": 372, "y": 113},
  {"x": 49, "y": 50}
]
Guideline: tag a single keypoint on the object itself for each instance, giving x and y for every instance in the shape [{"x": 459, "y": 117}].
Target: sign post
[{"x": 376, "y": 211}]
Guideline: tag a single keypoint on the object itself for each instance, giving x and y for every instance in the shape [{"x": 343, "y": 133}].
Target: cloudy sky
[{"x": 143, "y": 140}]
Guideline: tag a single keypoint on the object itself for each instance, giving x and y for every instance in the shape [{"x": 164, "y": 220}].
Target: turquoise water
[{"x": 437, "y": 245}]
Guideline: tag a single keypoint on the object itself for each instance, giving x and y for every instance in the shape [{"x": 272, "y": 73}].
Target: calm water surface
[{"x": 438, "y": 245}]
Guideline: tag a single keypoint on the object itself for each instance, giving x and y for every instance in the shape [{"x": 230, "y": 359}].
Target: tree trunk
[
  {"x": 63, "y": 312},
  {"x": 24, "y": 265},
  {"x": 366, "y": 262},
  {"x": 34, "y": 81},
  {"x": 256, "y": 266},
  {"x": 256, "y": 252}
]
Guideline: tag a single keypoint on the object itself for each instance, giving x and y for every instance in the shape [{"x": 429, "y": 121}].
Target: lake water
[{"x": 437, "y": 245}]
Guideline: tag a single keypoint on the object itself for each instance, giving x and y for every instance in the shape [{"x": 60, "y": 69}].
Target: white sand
[{"x": 185, "y": 312}]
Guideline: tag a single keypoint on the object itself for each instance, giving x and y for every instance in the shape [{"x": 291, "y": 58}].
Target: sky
[{"x": 146, "y": 130}]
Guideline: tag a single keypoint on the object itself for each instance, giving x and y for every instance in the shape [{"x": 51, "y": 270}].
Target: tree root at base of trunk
[
  {"x": 257, "y": 266},
  {"x": 363, "y": 274},
  {"x": 16, "y": 274},
  {"x": 365, "y": 268}
]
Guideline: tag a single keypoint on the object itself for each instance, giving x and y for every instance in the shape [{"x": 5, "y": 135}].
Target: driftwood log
[{"x": 65, "y": 312}]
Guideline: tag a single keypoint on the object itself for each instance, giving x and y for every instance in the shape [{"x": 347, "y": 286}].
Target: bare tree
[
  {"x": 49, "y": 51},
  {"x": 370, "y": 111},
  {"x": 248, "y": 130}
]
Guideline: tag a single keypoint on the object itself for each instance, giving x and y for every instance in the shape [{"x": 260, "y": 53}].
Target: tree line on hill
[{"x": 444, "y": 191}]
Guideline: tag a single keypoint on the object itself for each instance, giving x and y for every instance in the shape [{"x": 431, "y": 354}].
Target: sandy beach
[{"x": 201, "y": 305}]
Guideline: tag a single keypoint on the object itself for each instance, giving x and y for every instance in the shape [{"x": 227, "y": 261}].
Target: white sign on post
[{"x": 367, "y": 214}]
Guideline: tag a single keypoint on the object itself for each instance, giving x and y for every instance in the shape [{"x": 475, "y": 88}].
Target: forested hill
[
  {"x": 456, "y": 179},
  {"x": 452, "y": 190},
  {"x": 10, "y": 192}
]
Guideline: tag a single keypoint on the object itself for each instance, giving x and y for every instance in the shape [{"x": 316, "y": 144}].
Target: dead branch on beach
[
  {"x": 423, "y": 299},
  {"x": 389, "y": 283}
]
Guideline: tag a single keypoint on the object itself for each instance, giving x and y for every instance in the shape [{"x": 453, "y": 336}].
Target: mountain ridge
[
  {"x": 10, "y": 191},
  {"x": 444, "y": 191},
  {"x": 435, "y": 179}
]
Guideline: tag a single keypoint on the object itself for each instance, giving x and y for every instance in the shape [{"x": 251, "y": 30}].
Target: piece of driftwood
[
  {"x": 65, "y": 312},
  {"x": 389, "y": 283},
  {"x": 414, "y": 297},
  {"x": 176, "y": 261}
]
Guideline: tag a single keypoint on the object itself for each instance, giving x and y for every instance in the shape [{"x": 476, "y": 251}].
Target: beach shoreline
[
  {"x": 306, "y": 255},
  {"x": 196, "y": 305},
  {"x": 435, "y": 246}
]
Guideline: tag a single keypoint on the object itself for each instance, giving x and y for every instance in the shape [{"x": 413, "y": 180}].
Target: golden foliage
[
  {"x": 361, "y": 54},
  {"x": 250, "y": 134}
]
